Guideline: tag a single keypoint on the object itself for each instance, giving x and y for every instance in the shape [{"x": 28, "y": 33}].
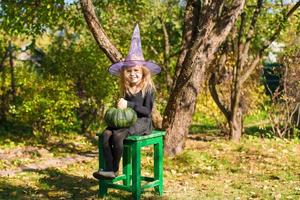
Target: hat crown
[
  {"x": 135, "y": 52},
  {"x": 135, "y": 56}
]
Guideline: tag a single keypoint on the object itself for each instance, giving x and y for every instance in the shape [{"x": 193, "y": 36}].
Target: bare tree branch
[
  {"x": 240, "y": 33},
  {"x": 215, "y": 96},
  {"x": 4, "y": 57},
  {"x": 249, "y": 71},
  {"x": 254, "y": 20},
  {"x": 98, "y": 32},
  {"x": 279, "y": 28},
  {"x": 12, "y": 75},
  {"x": 254, "y": 63},
  {"x": 167, "y": 47},
  {"x": 166, "y": 38},
  {"x": 250, "y": 33},
  {"x": 231, "y": 40},
  {"x": 240, "y": 47},
  {"x": 230, "y": 15},
  {"x": 213, "y": 90}
]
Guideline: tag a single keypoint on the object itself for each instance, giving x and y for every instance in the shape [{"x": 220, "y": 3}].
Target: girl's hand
[{"x": 122, "y": 103}]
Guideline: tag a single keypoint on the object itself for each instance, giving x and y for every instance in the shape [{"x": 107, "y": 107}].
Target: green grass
[
  {"x": 211, "y": 167},
  {"x": 258, "y": 117},
  {"x": 255, "y": 124},
  {"x": 256, "y": 168},
  {"x": 203, "y": 128}
]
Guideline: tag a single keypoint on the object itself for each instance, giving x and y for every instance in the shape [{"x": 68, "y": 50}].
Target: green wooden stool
[{"x": 131, "y": 177}]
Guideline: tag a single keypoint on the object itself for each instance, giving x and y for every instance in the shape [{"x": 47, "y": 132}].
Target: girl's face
[{"x": 133, "y": 75}]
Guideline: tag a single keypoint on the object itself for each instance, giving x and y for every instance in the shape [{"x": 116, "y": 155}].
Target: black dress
[
  {"x": 143, "y": 107},
  {"x": 113, "y": 138}
]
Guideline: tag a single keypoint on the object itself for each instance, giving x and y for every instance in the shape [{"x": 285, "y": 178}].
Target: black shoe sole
[{"x": 98, "y": 176}]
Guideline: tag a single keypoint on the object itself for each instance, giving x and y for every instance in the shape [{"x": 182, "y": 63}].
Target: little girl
[{"x": 138, "y": 90}]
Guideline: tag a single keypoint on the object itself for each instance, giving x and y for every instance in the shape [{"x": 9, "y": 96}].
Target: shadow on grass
[
  {"x": 265, "y": 132},
  {"x": 16, "y": 133},
  {"x": 203, "y": 128},
  {"x": 204, "y": 132},
  {"x": 55, "y": 184},
  {"x": 209, "y": 132}
]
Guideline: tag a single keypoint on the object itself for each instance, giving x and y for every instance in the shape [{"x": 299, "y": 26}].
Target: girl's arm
[{"x": 144, "y": 109}]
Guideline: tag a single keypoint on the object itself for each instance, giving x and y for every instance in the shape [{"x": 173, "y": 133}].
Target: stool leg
[
  {"x": 158, "y": 166},
  {"x": 102, "y": 188},
  {"x": 136, "y": 171},
  {"x": 127, "y": 165},
  {"x": 102, "y": 185}
]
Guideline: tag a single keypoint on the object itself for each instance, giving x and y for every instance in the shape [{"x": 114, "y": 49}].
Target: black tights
[{"x": 113, "y": 147}]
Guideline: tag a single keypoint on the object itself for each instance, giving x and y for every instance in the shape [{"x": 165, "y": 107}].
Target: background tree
[
  {"x": 206, "y": 25},
  {"x": 284, "y": 112},
  {"x": 30, "y": 18},
  {"x": 246, "y": 47},
  {"x": 19, "y": 20}
]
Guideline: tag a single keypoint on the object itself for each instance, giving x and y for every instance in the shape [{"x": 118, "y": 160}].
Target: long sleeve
[{"x": 143, "y": 108}]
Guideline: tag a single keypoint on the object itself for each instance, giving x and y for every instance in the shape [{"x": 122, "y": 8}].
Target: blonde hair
[{"x": 146, "y": 84}]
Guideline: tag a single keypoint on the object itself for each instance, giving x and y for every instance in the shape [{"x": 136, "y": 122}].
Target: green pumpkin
[{"x": 120, "y": 118}]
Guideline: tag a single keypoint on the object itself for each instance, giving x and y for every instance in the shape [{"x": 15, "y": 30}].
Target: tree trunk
[
  {"x": 180, "y": 110},
  {"x": 12, "y": 73},
  {"x": 3, "y": 96},
  {"x": 167, "y": 48},
  {"x": 201, "y": 39},
  {"x": 82, "y": 115},
  {"x": 236, "y": 126},
  {"x": 98, "y": 32}
]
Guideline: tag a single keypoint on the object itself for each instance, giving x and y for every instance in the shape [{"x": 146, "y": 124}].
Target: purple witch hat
[{"x": 135, "y": 56}]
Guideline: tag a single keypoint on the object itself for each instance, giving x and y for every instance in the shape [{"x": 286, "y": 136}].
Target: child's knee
[
  {"x": 117, "y": 140},
  {"x": 106, "y": 133},
  {"x": 106, "y": 136}
]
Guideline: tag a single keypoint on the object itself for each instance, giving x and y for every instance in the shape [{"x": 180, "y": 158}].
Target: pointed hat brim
[{"x": 115, "y": 69}]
